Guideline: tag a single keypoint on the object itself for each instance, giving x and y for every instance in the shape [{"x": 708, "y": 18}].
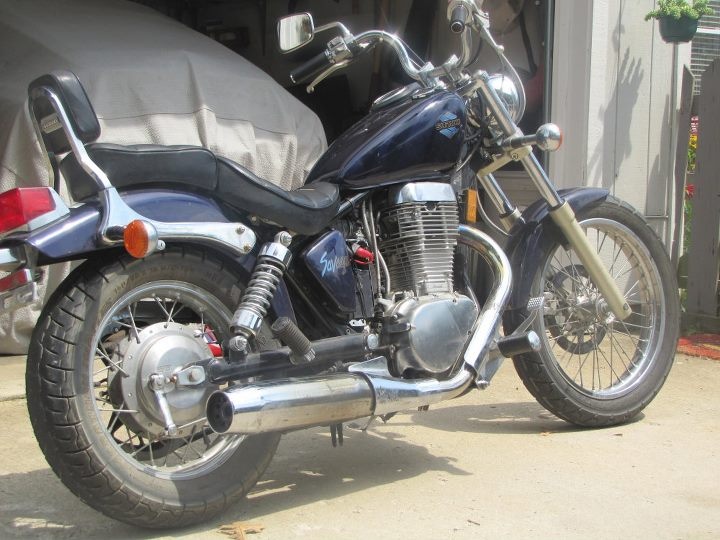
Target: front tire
[
  {"x": 96, "y": 418},
  {"x": 594, "y": 370}
]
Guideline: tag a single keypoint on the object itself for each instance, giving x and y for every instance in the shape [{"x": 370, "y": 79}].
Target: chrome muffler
[{"x": 369, "y": 389}]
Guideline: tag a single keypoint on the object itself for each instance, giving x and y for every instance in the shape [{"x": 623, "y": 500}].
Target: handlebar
[
  {"x": 458, "y": 18},
  {"x": 373, "y": 37},
  {"x": 311, "y": 68},
  {"x": 464, "y": 16}
]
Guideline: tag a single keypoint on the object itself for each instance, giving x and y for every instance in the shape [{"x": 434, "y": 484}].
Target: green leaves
[{"x": 680, "y": 8}]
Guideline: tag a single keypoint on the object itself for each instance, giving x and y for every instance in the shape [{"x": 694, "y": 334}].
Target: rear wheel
[
  {"x": 594, "y": 369},
  {"x": 99, "y": 342}
]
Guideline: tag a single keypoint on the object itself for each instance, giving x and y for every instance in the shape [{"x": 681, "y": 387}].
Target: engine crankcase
[{"x": 427, "y": 333}]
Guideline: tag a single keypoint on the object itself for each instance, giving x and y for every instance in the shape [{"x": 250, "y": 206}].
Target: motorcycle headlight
[{"x": 508, "y": 92}]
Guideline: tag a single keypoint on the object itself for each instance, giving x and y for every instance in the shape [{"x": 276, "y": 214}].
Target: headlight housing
[{"x": 508, "y": 92}]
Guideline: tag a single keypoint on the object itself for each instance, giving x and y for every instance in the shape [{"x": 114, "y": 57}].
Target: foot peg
[
  {"x": 287, "y": 331},
  {"x": 516, "y": 345},
  {"x": 521, "y": 341}
]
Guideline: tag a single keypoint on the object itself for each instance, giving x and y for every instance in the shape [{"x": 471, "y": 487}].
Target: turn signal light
[
  {"x": 19, "y": 206},
  {"x": 140, "y": 238}
]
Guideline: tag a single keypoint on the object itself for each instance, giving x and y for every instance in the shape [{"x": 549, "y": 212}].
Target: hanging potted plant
[{"x": 679, "y": 18}]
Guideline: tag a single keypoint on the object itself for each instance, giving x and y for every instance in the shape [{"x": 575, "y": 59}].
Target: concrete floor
[{"x": 491, "y": 465}]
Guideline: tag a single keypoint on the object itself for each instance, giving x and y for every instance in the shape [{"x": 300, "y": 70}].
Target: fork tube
[
  {"x": 541, "y": 181},
  {"x": 561, "y": 213},
  {"x": 509, "y": 213},
  {"x": 565, "y": 219}
]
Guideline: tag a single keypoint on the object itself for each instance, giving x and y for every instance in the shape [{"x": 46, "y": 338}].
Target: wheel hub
[
  {"x": 162, "y": 348},
  {"x": 580, "y": 327}
]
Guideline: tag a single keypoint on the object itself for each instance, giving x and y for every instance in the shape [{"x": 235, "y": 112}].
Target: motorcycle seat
[{"x": 306, "y": 210}]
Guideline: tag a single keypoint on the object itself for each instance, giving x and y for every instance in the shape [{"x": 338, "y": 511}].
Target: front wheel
[
  {"x": 593, "y": 369},
  {"x": 102, "y": 338}
]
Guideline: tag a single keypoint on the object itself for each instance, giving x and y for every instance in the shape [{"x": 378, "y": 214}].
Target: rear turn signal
[
  {"x": 140, "y": 238},
  {"x": 20, "y": 206}
]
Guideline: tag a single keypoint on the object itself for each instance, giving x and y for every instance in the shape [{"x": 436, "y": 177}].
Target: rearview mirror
[{"x": 294, "y": 31}]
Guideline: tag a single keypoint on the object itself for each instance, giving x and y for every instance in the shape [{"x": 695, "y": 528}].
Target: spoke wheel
[
  {"x": 595, "y": 369},
  {"x": 600, "y": 355},
  {"x": 157, "y": 328},
  {"x": 101, "y": 339}
]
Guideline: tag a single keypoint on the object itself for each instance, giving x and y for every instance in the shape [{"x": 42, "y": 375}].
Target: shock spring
[{"x": 271, "y": 265}]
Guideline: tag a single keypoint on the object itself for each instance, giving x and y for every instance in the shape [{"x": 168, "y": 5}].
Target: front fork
[{"x": 560, "y": 210}]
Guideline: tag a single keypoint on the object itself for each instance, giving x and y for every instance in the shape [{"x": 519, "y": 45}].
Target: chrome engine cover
[{"x": 428, "y": 333}]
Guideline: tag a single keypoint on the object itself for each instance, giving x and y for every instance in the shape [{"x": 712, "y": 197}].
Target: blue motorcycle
[{"x": 214, "y": 311}]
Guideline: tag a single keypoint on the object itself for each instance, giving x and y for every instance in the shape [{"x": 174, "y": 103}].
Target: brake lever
[{"x": 325, "y": 74}]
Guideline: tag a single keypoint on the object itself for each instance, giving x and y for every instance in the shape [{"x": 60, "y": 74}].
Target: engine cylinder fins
[{"x": 418, "y": 242}]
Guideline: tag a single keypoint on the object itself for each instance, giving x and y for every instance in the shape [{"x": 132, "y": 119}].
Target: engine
[
  {"x": 426, "y": 328},
  {"x": 418, "y": 238},
  {"x": 423, "y": 322}
]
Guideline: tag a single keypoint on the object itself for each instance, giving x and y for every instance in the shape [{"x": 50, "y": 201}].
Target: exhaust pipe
[
  {"x": 369, "y": 389},
  {"x": 288, "y": 404}
]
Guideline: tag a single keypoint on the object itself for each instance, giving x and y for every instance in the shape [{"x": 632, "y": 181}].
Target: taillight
[{"x": 19, "y": 206}]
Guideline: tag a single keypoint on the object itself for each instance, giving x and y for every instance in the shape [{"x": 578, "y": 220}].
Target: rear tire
[
  {"x": 79, "y": 365},
  {"x": 594, "y": 370}
]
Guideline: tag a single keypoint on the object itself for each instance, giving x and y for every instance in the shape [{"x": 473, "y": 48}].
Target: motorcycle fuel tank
[{"x": 417, "y": 138}]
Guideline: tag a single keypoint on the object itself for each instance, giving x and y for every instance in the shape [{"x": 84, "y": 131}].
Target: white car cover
[{"x": 151, "y": 80}]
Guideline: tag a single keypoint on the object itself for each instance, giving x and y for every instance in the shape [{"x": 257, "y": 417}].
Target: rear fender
[
  {"x": 527, "y": 238},
  {"x": 75, "y": 237}
]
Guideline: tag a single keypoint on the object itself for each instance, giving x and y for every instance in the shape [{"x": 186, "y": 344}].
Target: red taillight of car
[{"x": 19, "y": 206}]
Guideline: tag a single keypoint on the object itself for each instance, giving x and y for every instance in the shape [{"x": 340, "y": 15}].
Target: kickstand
[{"x": 336, "y": 434}]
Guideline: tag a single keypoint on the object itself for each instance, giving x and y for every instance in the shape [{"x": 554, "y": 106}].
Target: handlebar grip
[
  {"x": 312, "y": 67},
  {"x": 458, "y": 17}
]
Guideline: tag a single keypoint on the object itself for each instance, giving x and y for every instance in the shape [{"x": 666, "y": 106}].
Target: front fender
[
  {"x": 75, "y": 236},
  {"x": 524, "y": 248}
]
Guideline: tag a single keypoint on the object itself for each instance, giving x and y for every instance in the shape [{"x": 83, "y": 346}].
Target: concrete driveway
[{"x": 490, "y": 465}]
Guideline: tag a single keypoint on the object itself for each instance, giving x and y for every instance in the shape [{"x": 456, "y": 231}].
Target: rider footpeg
[
  {"x": 536, "y": 303},
  {"x": 515, "y": 345},
  {"x": 287, "y": 331}
]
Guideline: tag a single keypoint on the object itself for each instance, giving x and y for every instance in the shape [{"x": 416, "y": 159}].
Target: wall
[{"x": 612, "y": 92}]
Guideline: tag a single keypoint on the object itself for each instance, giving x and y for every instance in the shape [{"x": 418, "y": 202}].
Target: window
[{"x": 706, "y": 44}]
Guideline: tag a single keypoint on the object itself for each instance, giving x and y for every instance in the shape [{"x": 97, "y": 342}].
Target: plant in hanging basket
[{"x": 679, "y": 18}]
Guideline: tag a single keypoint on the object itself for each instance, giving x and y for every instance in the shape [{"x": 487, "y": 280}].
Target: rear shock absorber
[{"x": 271, "y": 264}]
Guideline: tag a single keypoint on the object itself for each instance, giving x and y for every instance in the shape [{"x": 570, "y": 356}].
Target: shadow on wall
[
  {"x": 616, "y": 144},
  {"x": 657, "y": 203}
]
